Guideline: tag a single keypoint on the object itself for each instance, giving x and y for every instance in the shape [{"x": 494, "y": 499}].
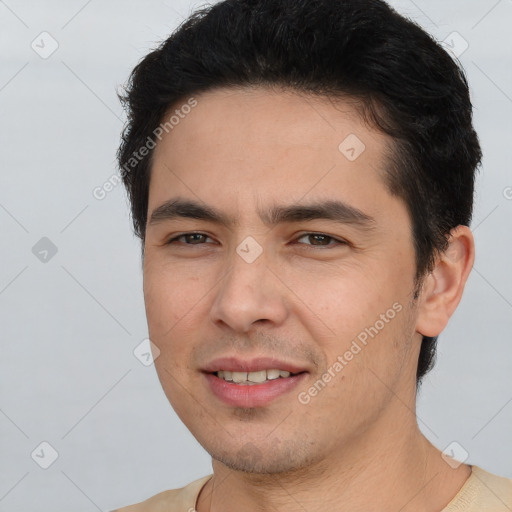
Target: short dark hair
[{"x": 403, "y": 82}]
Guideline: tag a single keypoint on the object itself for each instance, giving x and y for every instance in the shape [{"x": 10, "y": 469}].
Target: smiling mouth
[
  {"x": 252, "y": 378},
  {"x": 252, "y": 383}
]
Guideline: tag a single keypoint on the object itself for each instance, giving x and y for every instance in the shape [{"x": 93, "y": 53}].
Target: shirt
[{"x": 482, "y": 492}]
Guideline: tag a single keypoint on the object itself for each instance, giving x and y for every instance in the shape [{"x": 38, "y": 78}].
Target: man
[{"x": 301, "y": 177}]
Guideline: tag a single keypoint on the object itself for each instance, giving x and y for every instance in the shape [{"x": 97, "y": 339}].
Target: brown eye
[
  {"x": 320, "y": 239},
  {"x": 189, "y": 238}
]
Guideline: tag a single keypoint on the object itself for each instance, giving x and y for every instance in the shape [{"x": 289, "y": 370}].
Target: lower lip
[{"x": 255, "y": 395}]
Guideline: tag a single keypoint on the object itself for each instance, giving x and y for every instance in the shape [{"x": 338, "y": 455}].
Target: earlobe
[{"x": 442, "y": 289}]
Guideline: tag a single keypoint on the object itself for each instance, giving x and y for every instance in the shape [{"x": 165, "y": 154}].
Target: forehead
[{"x": 244, "y": 145}]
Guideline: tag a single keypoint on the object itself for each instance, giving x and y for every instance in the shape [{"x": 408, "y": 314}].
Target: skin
[{"x": 356, "y": 445}]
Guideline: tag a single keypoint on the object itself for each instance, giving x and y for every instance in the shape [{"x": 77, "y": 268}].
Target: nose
[{"x": 249, "y": 293}]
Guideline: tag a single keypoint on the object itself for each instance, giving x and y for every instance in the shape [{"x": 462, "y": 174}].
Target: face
[{"x": 279, "y": 279}]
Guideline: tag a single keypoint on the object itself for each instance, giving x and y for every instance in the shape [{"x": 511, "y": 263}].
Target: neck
[{"x": 389, "y": 468}]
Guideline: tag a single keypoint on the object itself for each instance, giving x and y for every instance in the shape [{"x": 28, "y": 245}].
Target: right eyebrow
[{"x": 182, "y": 208}]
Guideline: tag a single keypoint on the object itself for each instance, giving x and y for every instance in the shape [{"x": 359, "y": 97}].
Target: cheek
[
  {"x": 172, "y": 296},
  {"x": 363, "y": 371},
  {"x": 358, "y": 315},
  {"x": 339, "y": 301}
]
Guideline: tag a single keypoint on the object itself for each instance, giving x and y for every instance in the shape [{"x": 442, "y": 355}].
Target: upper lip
[{"x": 235, "y": 364}]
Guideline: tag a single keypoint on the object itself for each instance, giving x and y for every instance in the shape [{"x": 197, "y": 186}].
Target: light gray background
[{"x": 69, "y": 326}]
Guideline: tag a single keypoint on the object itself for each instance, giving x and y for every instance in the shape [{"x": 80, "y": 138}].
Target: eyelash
[{"x": 339, "y": 241}]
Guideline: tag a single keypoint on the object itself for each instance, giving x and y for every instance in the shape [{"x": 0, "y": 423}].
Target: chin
[{"x": 268, "y": 460}]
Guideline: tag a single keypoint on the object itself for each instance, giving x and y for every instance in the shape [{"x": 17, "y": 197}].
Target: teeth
[
  {"x": 257, "y": 377},
  {"x": 273, "y": 374},
  {"x": 239, "y": 377},
  {"x": 252, "y": 377}
]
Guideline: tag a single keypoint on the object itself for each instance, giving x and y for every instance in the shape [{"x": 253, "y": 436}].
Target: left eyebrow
[
  {"x": 333, "y": 210},
  {"x": 336, "y": 211}
]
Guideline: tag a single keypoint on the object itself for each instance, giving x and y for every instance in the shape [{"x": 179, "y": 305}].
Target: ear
[{"x": 442, "y": 288}]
